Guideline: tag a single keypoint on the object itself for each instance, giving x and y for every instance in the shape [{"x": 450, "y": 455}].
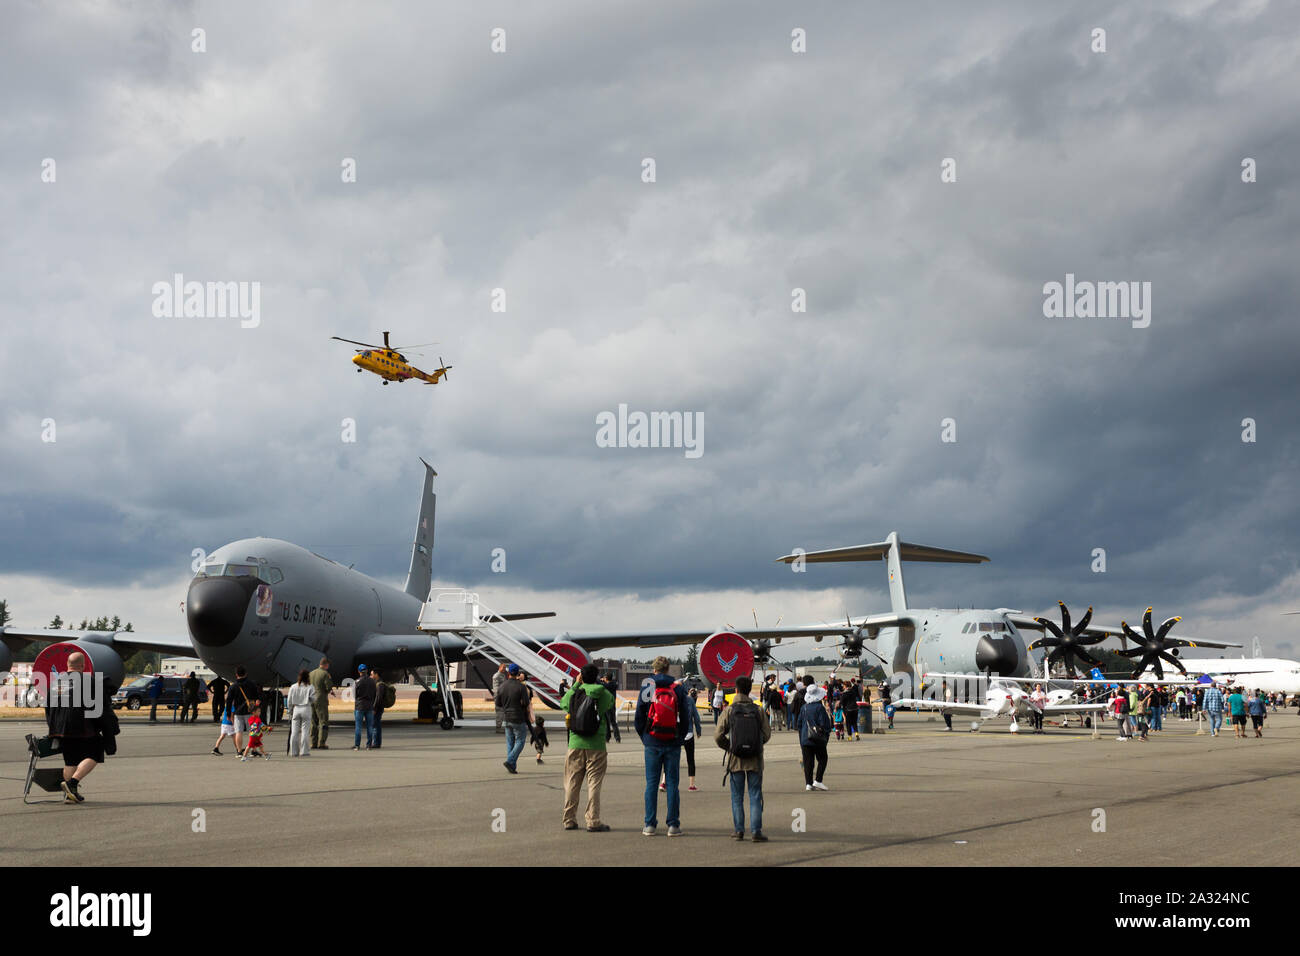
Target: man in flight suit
[{"x": 320, "y": 708}]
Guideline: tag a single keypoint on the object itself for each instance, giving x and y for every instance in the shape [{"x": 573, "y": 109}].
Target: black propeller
[
  {"x": 851, "y": 644},
  {"x": 1154, "y": 646},
  {"x": 1067, "y": 642}
]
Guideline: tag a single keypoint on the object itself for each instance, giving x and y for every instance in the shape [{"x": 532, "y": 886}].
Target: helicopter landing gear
[{"x": 383, "y": 381}]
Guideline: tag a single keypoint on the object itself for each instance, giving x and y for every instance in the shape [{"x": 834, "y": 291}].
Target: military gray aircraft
[
  {"x": 276, "y": 608},
  {"x": 910, "y": 642}
]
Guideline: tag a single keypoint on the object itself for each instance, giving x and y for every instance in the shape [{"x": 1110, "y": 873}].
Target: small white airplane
[
  {"x": 1005, "y": 697},
  {"x": 1010, "y": 697}
]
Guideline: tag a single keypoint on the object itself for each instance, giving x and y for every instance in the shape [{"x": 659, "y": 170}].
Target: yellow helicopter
[{"x": 390, "y": 364}]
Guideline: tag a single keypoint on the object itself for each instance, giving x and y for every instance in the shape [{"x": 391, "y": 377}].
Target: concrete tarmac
[{"x": 915, "y": 796}]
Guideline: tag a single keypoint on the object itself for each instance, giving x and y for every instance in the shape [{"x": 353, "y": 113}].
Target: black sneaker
[
  {"x": 216, "y": 752},
  {"x": 71, "y": 793},
  {"x": 758, "y": 837},
  {"x": 738, "y": 836},
  {"x": 508, "y": 767}
]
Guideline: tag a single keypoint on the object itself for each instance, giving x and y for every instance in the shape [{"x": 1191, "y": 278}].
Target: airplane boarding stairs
[{"x": 457, "y": 611}]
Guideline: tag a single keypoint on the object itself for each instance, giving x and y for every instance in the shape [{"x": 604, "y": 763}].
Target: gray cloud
[{"x": 522, "y": 171}]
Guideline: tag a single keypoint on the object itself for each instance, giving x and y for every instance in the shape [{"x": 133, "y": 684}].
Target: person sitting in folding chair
[{"x": 82, "y": 717}]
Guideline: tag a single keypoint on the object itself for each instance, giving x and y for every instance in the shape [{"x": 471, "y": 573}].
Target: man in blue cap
[
  {"x": 513, "y": 700},
  {"x": 363, "y": 707}
]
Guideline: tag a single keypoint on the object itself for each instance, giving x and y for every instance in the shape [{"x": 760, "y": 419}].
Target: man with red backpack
[{"x": 661, "y": 723}]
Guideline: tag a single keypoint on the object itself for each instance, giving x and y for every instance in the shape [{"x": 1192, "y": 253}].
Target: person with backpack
[
  {"x": 814, "y": 734},
  {"x": 742, "y": 732},
  {"x": 363, "y": 707},
  {"x": 661, "y": 722},
  {"x": 385, "y": 697},
  {"x": 588, "y": 707},
  {"x": 244, "y": 697}
]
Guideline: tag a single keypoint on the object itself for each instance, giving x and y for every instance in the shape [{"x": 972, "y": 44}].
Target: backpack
[
  {"x": 390, "y": 696},
  {"x": 584, "y": 716},
  {"x": 746, "y": 733},
  {"x": 661, "y": 722}
]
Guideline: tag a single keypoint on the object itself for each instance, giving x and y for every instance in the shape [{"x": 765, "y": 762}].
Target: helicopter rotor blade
[{"x": 355, "y": 342}]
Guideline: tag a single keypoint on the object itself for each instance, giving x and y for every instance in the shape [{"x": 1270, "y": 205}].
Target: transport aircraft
[{"x": 277, "y": 608}]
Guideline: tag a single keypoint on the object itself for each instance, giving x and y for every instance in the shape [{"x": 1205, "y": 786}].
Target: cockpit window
[
  {"x": 241, "y": 570},
  {"x": 275, "y": 576}
]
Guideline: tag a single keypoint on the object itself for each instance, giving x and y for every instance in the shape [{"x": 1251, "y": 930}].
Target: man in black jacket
[
  {"x": 217, "y": 688},
  {"x": 244, "y": 698},
  {"x": 363, "y": 707},
  {"x": 513, "y": 699},
  {"x": 81, "y": 717},
  {"x": 190, "y": 697}
]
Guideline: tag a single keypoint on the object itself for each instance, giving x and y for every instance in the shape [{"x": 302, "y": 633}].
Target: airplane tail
[
  {"x": 894, "y": 553},
  {"x": 421, "y": 571}
]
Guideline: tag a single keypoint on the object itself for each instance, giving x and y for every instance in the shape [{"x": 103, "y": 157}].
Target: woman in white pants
[{"x": 301, "y": 696}]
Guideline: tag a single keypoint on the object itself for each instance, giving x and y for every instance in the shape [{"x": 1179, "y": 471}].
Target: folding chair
[{"x": 49, "y": 779}]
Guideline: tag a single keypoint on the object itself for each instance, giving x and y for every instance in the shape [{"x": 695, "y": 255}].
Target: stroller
[{"x": 49, "y": 779}]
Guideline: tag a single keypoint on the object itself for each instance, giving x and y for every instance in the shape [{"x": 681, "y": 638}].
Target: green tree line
[{"x": 141, "y": 662}]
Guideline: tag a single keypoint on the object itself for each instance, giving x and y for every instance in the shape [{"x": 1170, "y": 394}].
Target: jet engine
[{"x": 99, "y": 660}]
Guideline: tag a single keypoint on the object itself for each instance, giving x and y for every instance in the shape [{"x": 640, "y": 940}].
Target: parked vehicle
[{"x": 135, "y": 695}]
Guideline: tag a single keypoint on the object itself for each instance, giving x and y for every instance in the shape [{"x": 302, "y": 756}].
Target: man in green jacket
[
  {"x": 586, "y": 757},
  {"x": 320, "y": 709}
]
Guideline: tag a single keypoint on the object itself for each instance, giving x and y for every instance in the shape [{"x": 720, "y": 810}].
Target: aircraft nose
[
  {"x": 998, "y": 656},
  {"x": 215, "y": 608}
]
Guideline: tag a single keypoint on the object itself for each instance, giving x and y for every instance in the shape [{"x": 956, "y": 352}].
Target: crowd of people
[
  {"x": 666, "y": 720},
  {"x": 1139, "y": 709}
]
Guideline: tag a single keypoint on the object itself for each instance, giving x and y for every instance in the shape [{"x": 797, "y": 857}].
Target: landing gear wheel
[{"x": 446, "y": 723}]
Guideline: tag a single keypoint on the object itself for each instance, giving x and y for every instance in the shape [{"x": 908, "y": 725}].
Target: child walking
[{"x": 539, "y": 737}]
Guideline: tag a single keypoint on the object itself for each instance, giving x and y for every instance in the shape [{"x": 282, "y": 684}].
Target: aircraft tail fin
[
  {"x": 421, "y": 571},
  {"x": 894, "y": 553}
]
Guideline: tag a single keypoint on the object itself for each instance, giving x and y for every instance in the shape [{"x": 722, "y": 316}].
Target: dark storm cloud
[{"x": 522, "y": 171}]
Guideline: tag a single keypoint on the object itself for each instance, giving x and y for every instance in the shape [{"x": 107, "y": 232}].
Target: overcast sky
[{"x": 774, "y": 170}]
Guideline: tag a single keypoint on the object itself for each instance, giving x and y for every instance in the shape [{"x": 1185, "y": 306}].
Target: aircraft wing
[
  {"x": 127, "y": 642},
  {"x": 646, "y": 639},
  {"x": 1026, "y": 622},
  {"x": 1071, "y": 708},
  {"x": 952, "y": 707}
]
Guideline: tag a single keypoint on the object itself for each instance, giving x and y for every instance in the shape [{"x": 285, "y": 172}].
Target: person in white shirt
[
  {"x": 301, "y": 696},
  {"x": 1037, "y": 701}
]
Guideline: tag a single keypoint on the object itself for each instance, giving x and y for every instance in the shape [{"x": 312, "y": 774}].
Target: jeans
[
  {"x": 754, "y": 779},
  {"x": 366, "y": 717},
  {"x": 516, "y": 737},
  {"x": 1216, "y": 720},
  {"x": 1156, "y": 722},
  {"x": 379, "y": 727},
  {"x": 662, "y": 760}
]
